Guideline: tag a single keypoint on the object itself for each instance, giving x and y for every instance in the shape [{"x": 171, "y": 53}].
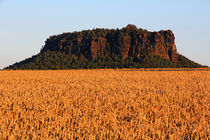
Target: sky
[{"x": 26, "y": 24}]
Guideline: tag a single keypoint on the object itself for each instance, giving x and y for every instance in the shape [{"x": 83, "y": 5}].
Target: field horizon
[{"x": 124, "y": 69}]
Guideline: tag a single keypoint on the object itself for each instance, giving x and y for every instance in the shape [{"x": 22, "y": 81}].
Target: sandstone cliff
[{"x": 126, "y": 42}]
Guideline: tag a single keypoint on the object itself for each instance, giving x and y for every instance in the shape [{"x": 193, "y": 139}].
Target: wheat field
[{"x": 104, "y": 104}]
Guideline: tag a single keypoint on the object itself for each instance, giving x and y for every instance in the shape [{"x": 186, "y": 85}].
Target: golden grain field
[{"x": 104, "y": 104}]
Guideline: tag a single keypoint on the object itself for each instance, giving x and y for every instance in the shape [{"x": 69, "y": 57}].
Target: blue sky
[{"x": 26, "y": 24}]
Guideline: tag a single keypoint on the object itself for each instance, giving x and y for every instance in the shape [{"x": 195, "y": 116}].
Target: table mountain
[{"x": 128, "y": 47}]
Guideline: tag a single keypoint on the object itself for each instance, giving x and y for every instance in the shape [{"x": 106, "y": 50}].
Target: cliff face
[
  {"x": 128, "y": 41},
  {"x": 157, "y": 43},
  {"x": 98, "y": 47}
]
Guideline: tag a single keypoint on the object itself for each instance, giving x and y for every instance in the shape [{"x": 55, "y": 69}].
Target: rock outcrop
[
  {"x": 98, "y": 47},
  {"x": 128, "y": 41}
]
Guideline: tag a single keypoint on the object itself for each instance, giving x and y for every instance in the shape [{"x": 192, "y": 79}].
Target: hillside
[{"x": 128, "y": 47}]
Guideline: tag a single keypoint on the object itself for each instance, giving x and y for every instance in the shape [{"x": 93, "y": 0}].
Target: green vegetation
[{"x": 59, "y": 60}]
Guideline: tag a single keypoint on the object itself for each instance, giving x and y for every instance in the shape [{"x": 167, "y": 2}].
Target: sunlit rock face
[{"x": 128, "y": 41}]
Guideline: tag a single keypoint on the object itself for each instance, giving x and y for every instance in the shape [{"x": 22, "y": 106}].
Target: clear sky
[{"x": 26, "y": 24}]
